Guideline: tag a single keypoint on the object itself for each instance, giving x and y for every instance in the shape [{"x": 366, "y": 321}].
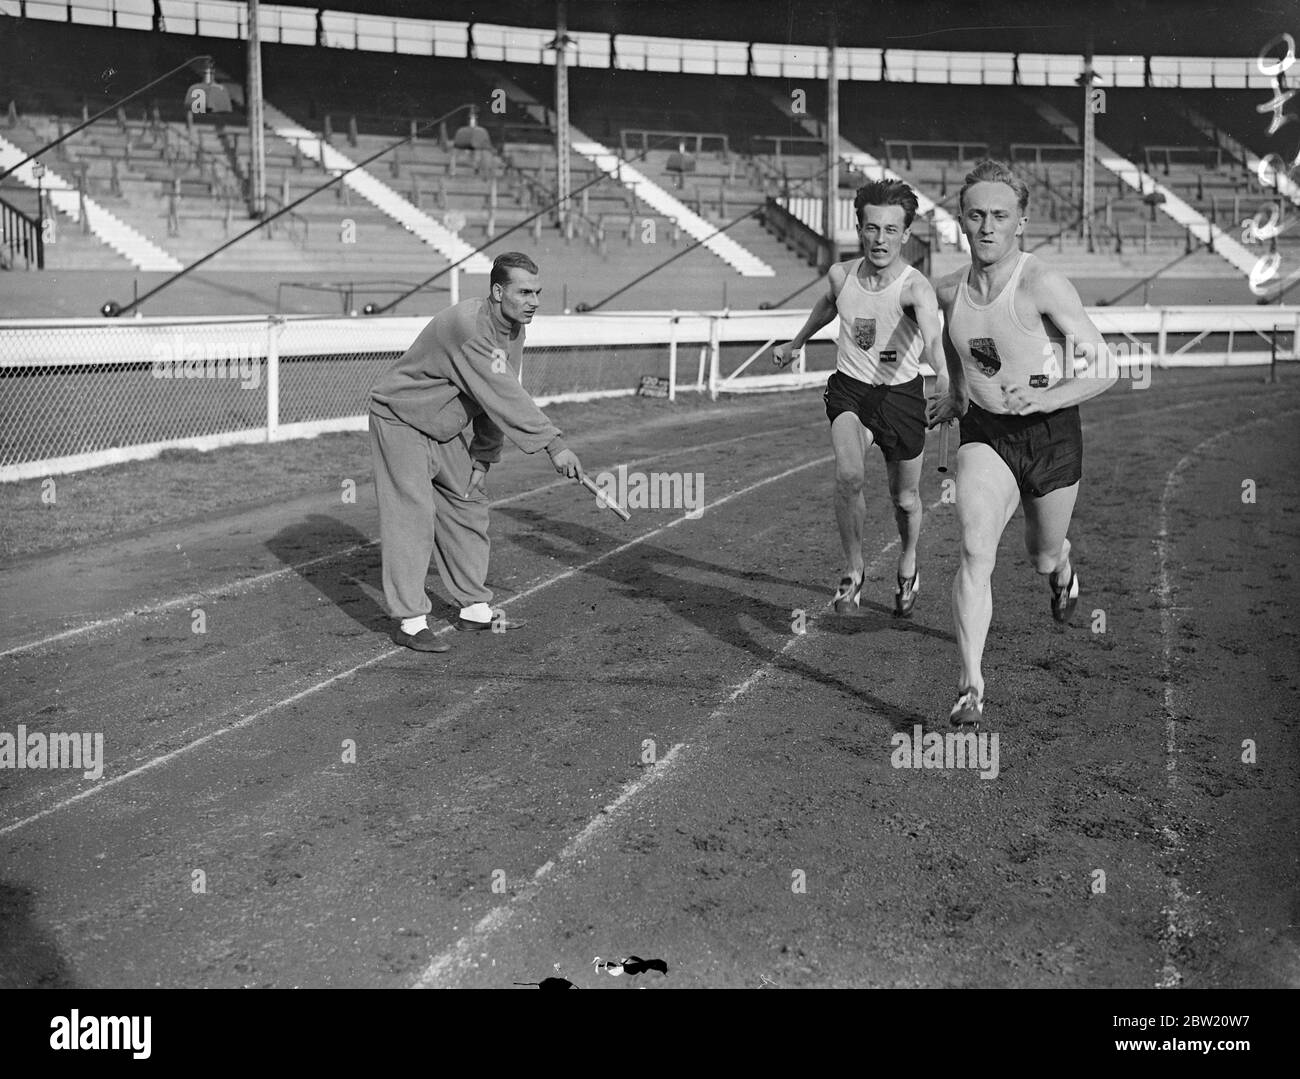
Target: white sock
[
  {"x": 412, "y": 626},
  {"x": 477, "y": 612}
]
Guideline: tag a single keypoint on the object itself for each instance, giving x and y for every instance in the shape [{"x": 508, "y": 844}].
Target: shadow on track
[
  {"x": 352, "y": 581},
  {"x": 29, "y": 958},
  {"x": 652, "y": 573}
]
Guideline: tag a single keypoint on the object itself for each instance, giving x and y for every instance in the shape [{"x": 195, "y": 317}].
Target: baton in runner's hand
[{"x": 944, "y": 432}]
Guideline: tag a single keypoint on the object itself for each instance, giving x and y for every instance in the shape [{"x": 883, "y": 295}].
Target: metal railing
[
  {"x": 780, "y": 142},
  {"x": 202, "y": 383},
  {"x": 181, "y": 147},
  {"x": 907, "y": 146},
  {"x": 636, "y": 138},
  {"x": 803, "y": 239},
  {"x": 774, "y": 173},
  {"x": 20, "y": 237},
  {"x": 538, "y": 191},
  {"x": 294, "y": 224},
  {"x": 1166, "y": 156},
  {"x": 1060, "y": 152}
]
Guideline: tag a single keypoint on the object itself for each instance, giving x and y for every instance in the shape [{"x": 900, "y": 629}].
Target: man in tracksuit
[{"x": 460, "y": 375}]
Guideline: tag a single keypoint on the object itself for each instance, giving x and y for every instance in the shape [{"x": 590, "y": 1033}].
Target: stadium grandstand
[
  {"x": 238, "y": 406},
  {"x": 725, "y": 127},
  {"x": 160, "y": 158}
]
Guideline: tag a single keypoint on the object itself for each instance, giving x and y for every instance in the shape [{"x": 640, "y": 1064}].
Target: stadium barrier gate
[{"x": 78, "y": 394}]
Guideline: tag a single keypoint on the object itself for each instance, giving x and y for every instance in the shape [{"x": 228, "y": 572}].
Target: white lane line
[
  {"x": 239, "y": 584},
  {"x": 461, "y": 954},
  {"x": 499, "y": 917},
  {"x": 165, "y": 758},
  {"x": 1178, "y": 921},
  {"x": 242, "y": 584}
]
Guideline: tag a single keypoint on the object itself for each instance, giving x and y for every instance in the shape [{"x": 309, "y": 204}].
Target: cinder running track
[{"x": 500, "y": 823}]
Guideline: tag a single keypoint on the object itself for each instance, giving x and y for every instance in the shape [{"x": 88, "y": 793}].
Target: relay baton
[{"x": 602, "y": 497}]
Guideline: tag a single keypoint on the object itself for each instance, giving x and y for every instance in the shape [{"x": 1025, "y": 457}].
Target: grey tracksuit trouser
[{"x": 424, "y": 514}]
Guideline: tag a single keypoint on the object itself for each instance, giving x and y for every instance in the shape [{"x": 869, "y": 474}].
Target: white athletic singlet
[
  {"x": 878, "y": 344},
  {"x": 996, "y": 348}
]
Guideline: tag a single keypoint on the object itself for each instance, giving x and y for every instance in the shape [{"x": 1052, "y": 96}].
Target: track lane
[
  {"x": 958, "y": 883},
  {"x": 215, "y": 954},
  {"x": 236, "y": 786},
  {"x": 246, "y": 645}
]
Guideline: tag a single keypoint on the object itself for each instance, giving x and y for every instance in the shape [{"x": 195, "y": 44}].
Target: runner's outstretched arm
[{"x": 823, "y": 312}]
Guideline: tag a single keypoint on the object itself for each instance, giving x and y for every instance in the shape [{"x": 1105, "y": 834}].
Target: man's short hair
[
  {"x": 511, "y": 260},
  {"x": 887, "y": 193},
  {"x": 989, "y": 171}
]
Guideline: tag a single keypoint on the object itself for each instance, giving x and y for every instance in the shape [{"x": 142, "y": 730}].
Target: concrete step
[
  {"x": 110, "y": 229},
  {"x": 380, "y": 194}
]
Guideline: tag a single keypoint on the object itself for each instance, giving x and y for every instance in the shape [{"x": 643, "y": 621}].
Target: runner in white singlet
[
  {"x": 1022, "y": 354},
  {"x": 889, "y": 322}
]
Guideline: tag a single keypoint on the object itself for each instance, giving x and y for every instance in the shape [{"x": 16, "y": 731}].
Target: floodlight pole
[
  {"x": 1089, "y": 148},
  {"x": 563, "y": 179},
  {"x": 256, "y": 132},
  {"x": 832, "y": 145}
]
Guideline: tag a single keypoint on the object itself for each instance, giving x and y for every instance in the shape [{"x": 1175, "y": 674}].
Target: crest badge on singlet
[
  {"x": 864, "y": 332},
  {"x": 984, "y": 351}
]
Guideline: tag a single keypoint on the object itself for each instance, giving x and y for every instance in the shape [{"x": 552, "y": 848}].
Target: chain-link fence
[
  {"x": 69, "y": 392},
  {"x": 79, "y": 395},
  {"x": 82, "y": 394}
]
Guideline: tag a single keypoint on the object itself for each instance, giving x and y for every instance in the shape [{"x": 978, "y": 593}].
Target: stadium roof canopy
[{"x": 1118, "y": 27}]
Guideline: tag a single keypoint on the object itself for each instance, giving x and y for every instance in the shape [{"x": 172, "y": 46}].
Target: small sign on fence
[{"x": 652, "y": 386}]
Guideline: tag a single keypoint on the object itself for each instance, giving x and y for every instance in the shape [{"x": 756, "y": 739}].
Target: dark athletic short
[
  {"x": 895, "y": 415},
  {"x": 1044, "y": 451}
]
